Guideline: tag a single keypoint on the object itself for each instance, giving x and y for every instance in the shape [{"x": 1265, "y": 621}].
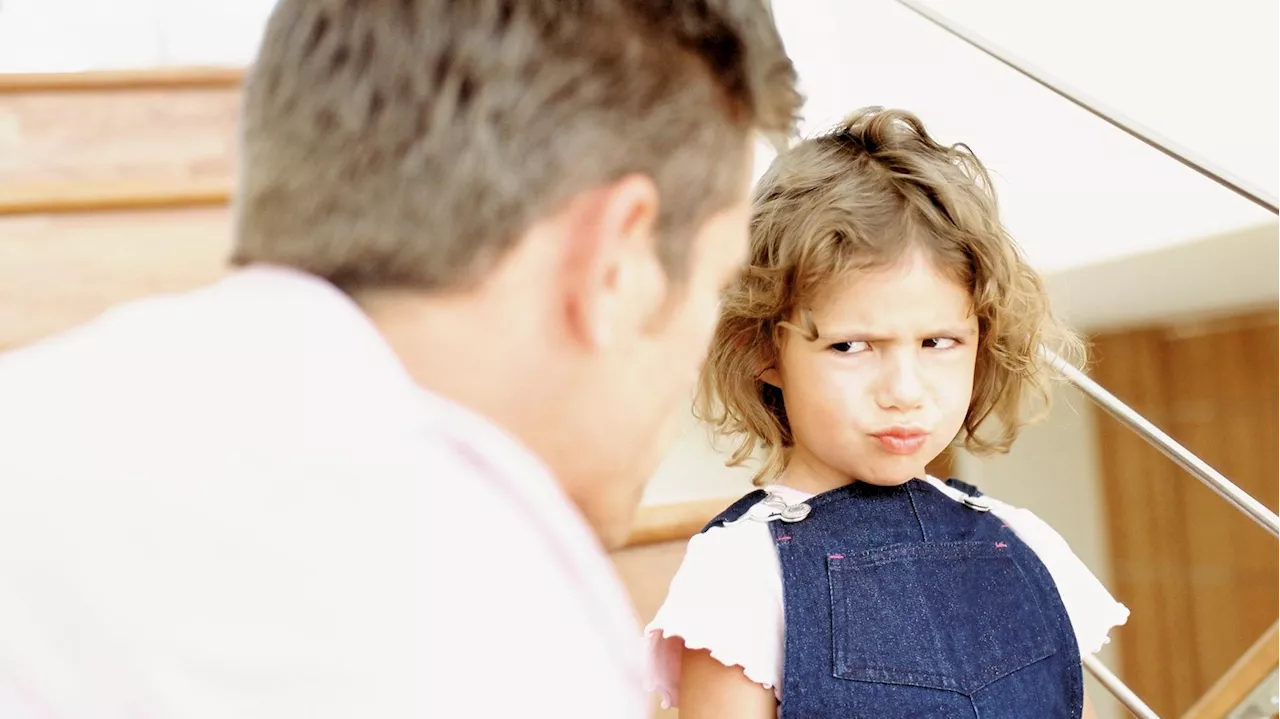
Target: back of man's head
[{"x": 409, "y": 143}]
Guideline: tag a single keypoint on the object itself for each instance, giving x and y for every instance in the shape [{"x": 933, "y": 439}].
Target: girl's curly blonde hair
[{"x": 860, "y": 197}]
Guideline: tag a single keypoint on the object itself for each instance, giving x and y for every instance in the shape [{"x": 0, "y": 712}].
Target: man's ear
[{"x": 611, "y": 260}]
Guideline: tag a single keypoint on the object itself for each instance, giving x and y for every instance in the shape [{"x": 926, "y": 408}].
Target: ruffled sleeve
[
  {"x": 725, "y": 598},
  {"x": 1093, "y": 611}
]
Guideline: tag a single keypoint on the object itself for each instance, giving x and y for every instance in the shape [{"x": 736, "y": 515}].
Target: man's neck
[{"x": 466, "y": 349}]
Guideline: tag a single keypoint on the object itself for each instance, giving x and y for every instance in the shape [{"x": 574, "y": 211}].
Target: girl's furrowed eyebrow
[
  {"x": 878, "y": 335},
  {"x": 852, "y": 337}
]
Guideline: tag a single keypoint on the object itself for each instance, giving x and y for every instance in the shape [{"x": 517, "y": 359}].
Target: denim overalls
[{"x": 902, "y": 602}]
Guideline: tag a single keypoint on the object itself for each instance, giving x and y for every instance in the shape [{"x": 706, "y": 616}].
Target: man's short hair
[{"x": 411, "y": 142}]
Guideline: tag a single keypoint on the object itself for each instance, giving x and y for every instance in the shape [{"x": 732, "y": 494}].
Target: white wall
[
  {"x": 1202, "y": 75},
  {"x": 1074, "y": 191},
  {"x": 694, "y": 469},
  {"x": 80, "y": 35},
  {"x": 1231, "y": 272}
]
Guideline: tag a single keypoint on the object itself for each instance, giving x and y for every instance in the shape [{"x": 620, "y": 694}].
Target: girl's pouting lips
[{"x": 902, "y": 440}]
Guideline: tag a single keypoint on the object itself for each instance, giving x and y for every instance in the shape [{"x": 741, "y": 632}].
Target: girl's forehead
[{"x": 908, "y": 293}]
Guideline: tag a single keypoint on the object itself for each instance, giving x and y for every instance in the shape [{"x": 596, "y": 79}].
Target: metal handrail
[
  {"x": 1109, "y": 115},
  {"x": 1194, "y": 466},
  {"x": 1117, "y": 688}
]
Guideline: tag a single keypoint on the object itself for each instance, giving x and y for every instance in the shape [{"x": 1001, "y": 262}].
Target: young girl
[{"x": 885, "y": 313}]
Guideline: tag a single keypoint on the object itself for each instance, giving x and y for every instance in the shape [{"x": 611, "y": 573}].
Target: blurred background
[{"x": 117, "y": 141}]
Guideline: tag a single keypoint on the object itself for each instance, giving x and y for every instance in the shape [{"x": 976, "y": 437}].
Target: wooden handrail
[
  {"x": 673, "y": 522},
  {"x": 159, "y": 78},
  {"x": 1233, "y": 687},
  {"x": 99, "y": 196},
  {"x": 115, "y": 194}
]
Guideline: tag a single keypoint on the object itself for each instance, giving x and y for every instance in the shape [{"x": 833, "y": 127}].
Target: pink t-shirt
[{"x": 236, "y": 503}]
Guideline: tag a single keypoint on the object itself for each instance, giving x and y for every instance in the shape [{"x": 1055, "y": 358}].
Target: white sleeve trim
[
  {"x": 1093, "y": 611},
  {"x": 662, "y": 643},
  {"x": 726, "y": 598}
]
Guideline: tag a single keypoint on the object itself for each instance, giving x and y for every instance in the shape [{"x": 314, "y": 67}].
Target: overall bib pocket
[{"x": 955, "y": 616}]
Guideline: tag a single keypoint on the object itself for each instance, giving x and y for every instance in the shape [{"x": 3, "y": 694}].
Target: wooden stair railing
[
  {"x": 1234, "y": 687},
  {"x": 127, "y": 140},
  {"x": 113, "y": 185},
  {"x": 158, "y": 78}
]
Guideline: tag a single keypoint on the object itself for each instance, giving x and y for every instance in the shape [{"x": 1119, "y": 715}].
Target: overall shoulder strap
[
  {"x": 737, "y": 509},
  {"x": 968, "y": 489}
]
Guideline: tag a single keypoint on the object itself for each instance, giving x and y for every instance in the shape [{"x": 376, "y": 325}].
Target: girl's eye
[
  {"x": 940, "y": 343},
  {"x": 849, "y": 348}
]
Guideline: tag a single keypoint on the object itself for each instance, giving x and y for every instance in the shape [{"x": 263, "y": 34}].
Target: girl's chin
[
  {"x": 890, "y": 476},
  {"x": 888, "y": 481}
]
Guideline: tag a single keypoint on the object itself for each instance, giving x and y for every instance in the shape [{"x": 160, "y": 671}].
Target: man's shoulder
[
  {"x": 258, "y": 336},
  {"x": 128, "y": 329}
]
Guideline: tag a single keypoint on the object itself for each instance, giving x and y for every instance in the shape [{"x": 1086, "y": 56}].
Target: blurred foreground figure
[{"x": 375, "y": 471}]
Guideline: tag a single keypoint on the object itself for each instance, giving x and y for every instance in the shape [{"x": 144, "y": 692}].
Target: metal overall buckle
[{"x": 774, "y": 507}]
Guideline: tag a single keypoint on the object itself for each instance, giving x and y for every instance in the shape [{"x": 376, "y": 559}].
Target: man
[{"x": 374, "y": 471}]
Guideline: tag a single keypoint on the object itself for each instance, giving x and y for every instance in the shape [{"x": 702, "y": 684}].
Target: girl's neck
[
  {"x": 808, "y": 474},
  {"x": 805, "y": 473}
]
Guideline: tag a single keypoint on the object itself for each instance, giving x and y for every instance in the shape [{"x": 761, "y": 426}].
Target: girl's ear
[
  {"x": 768, "y": 358},
  {"x": 771, "y": 376}
]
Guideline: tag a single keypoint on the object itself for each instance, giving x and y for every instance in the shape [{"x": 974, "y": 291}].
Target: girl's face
[{"x": 886, "y": 386}]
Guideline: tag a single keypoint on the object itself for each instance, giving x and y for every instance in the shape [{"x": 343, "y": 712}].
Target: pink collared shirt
[{"x": 236, "y": 503}]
